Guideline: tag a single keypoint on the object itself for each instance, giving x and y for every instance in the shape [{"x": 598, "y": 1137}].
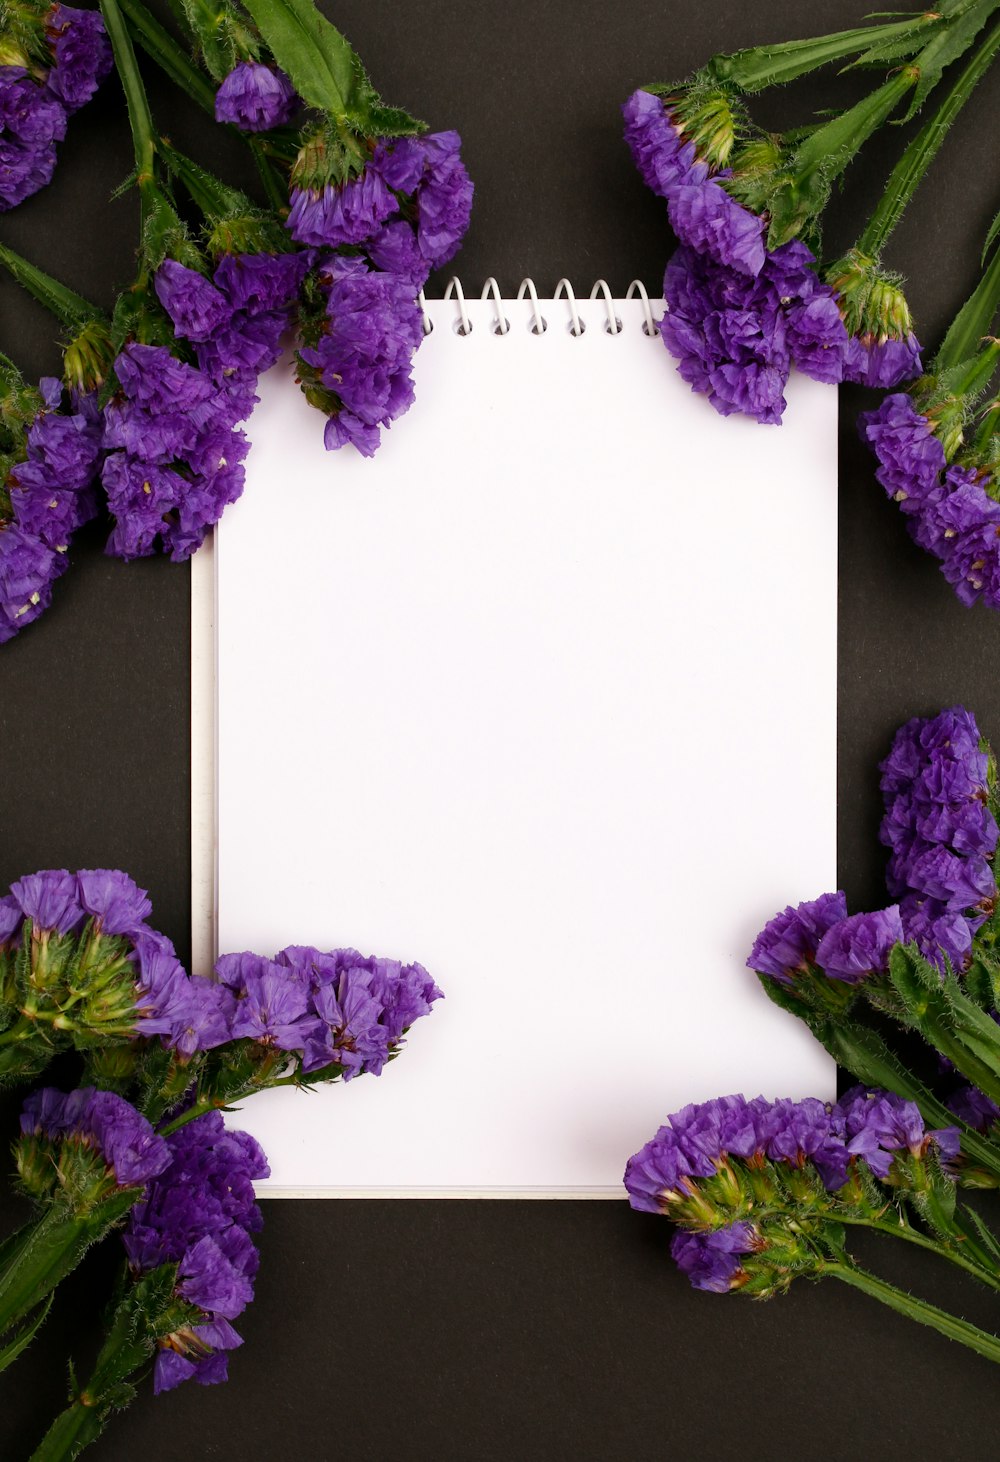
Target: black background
[{"x": 505, "y": 1329}]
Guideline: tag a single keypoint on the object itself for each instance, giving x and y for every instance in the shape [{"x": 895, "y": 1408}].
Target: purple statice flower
[
  {"x": 705, "y": 218},
  {"x": 736, "y": 337},
  {"x": 28, "y": 569},
  {"x": 410, "y": 206},
  {"x": 859, "y": 945},
  {"x": 82, "y": 54},
  {"x": 115, "y": 902},
  {"x": 103, "y": 1121},
  {"x": 786, "y": 946},
  {"x": 51, "y": 900},
  {"x": 711, "y": 1261},
  {"x": 188, "y": 1013},
  {"x": 11, "y": 919},
  {"x": 705, "y": 1139},
  {"x": 52, "y": 490},
  {"x": 334, "y": 1008},
  {"x": 882, "y": 362},
  {"x": 941, "y": 833},
  {"x": 348, "y": 213},
  {"x": 32, "y": 121},
  {"x": 877, "y": 1125},
  {"x": 255, "y": 98},
  {"x": 949, "y": 512},
  {"x": 363, "y": 358},
  {"x": 174, "y": 458},
  {"x": 664, "y": 159},
  {"x": 199, "y": 1215},
  {"x": 974, "y": 1108}
]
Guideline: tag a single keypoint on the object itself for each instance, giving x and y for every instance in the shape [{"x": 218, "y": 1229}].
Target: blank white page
[{"x": 542, "y": 696}]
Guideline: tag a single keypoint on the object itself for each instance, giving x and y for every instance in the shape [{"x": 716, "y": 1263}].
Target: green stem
[
  {"x": 919, "y": 155},
  {"x": 46, "y": 1251},
  {"x": 762, "y": 66},
  {"x": 274, "y": 187},
  {"x": 973, "y": 320},
  {"x": 911, "y": 1235},
  {"x": 914, "y": 1309},
  {"x": 69, "y": 308},
  {"x": 168, "y": 54},
  {"x": 140, "y": 120}
]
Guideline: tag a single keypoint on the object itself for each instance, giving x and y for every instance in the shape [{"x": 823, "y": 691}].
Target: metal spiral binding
[{"x": 564, "y": 289}]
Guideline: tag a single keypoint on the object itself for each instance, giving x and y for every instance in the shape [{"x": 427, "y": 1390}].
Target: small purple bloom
[
  {"x": 787, "y": 944},
  {"x": 883, "y": 363},
  {"x": 50, "y": 899},
  {"x": 255, "y": 98},
  {"x": 859, "y": 946},
  {"x": 193, "y": 303},
  {"x": 711, "y": 1261},
  {"x": 131, "y": 1149},
  {"x": 708, "y": 220},
  {"x": 665, "y": 161},
  {"x": 974, "y": 1108},
  {"x": 117, "y": 904},
  {"x": 348, "y": 213},
  {"x": 82, "y": 54},
  {"x": 28, "y": 569}
]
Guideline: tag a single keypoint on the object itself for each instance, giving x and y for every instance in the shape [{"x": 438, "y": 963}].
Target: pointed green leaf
[
  {"x": 762, "y": 66},
  {"x": 22, "y": 1338},
  {"x": 947, "y": 46},
  {"x": 323, "y": 67}
]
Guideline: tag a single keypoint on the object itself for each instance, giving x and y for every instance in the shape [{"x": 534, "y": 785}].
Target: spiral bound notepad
[{"x": 542, "y": 696}]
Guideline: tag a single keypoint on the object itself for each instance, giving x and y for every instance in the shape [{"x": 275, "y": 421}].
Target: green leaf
[
  {"x": 762, "y": 66},
  {"x": 947, "y": 46},
  {"x": 22, "y": 1338},
  {"x": 325, "y": 70},
  {"x": 986, "y": 1234},
  {"x": 973, "y": 321}
]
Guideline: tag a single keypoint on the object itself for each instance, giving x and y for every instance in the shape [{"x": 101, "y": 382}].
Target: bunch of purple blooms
[
  {"x": 406, "y": 212},
  {"x": 48, "y": 469},
  {"x": 329, "y": 1009},
  {"x": 199, "y": 1214},
  {"x": 98, "y": 1122},
  {"x": 950, "y": 506},
  {"x": 942, "y": 833},
  {"x": 65, "y": 58},
  {"x": 174, "y": 456},
  {"x": 741, "y": 314},
  {"x": 729, "y": 1172}
]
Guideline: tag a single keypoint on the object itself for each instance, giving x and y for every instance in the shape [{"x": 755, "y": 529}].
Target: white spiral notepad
[{"x": 544, "y": 697}]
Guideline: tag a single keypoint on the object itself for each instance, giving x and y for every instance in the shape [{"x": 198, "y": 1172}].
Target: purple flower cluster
[
  {"x": 941, "y": 833},
  {"x": 409, "y": 208},
  {"x": 327, "y": 1008},
  {"x": 199, "y": 1215},
  {"x": 364, "y": 355},
  {"x": 974, "y": 1108},
  {"x": 175, "y": 458},
  {"x": 255, "y": 98},
  {"x": 52, "y": 493},
  {"x": 821, "y": 935},
  {"x": 949, "y": 509},
  {"x": 189, "y": 1013},
  {"x": 102, "y": 1121},
  {"x": 34, "y": 109},
  {"x": 740, "y": 315},
  {"x": 700, "y": 1140},
  {"x": 407, "y": 212}
]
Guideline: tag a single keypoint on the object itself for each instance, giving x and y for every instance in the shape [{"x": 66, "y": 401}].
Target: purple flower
[
  {"x": 199, "y": 1215},
  {"x": 160, "y": 985},
  {"x": 883, "y": 363},
  {"x": 28, "y": 569},
  {"x": 348, "y": 213},
  {"x": 272, "y": 1004},
  {"x": 711, "y": 1261},
  {"x": 11, "y": 919},
  {"x": 32, "y": 121},
  {"x": 879, "y": 1124},
  {"x": 364, "y": 356},
  {"x": 50, "y": 899},
  {"x": 101, "y": 1120},
  {"x": 255, "y": 98},
  {"x": 430, "y": 170},
  {"x": 943, "y": 936},
  {"x": 974, "y": 1108},
  {"x": 787, "y": 944},
  {"x": 859, "y": 945},
  {"x": 708, "y": 220},
  {"x": 665, "y": 161},
  {"x": 193, "y": 303},
  {"x": 82, "y": 54},
  {"x": 116, "y": 903}
]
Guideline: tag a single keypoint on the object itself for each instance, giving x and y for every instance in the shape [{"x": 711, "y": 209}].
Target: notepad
[{"x": 542, "y": 696}]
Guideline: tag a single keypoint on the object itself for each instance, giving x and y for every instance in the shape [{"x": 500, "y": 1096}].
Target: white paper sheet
[{"x": 542, "y": 696}]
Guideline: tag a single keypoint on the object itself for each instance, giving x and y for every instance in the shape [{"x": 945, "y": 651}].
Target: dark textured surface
[{"x": 505, "y": 1330}]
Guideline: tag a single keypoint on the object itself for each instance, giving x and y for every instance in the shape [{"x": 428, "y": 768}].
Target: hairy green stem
[
  {"x": 910, "y": 1235},
  {"x": 915, "y": 1309},
  {"x": 168, "y": 54},
  {"x": 973, "y": 321},
  {"x": 143, "y": 136},
  {"x": 69, "y": 308},
  {"x": 762, "y": 66}
]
